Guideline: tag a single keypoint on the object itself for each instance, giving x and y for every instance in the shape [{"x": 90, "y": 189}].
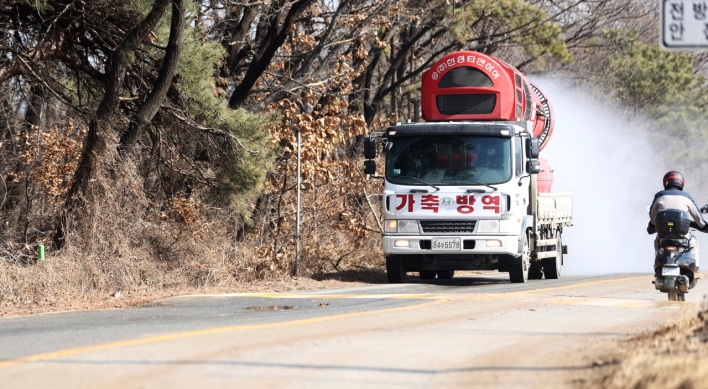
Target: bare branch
[{"x": 376, "y": 215}]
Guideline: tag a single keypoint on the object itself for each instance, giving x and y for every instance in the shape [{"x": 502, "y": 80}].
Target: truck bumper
[{"x": 483, "y": 244}]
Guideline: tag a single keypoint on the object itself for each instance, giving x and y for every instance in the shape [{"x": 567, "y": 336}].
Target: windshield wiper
[
  {"x": 476, "y": 182},
  {"x": 419, "y": 180}
]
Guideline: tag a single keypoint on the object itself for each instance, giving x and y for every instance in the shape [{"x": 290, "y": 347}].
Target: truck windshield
[{"x": 449, "y": 160}]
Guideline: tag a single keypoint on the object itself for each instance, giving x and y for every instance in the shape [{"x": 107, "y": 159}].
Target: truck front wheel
[
  {"x": 519, "y": 266},
  {"x": 395, "y": 271}
]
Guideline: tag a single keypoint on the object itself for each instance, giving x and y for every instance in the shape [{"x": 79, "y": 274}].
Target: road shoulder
[{"x": 673, "y": 356}]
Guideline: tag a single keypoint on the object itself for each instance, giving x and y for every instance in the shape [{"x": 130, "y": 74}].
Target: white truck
[{"x": 464, "y": 195}]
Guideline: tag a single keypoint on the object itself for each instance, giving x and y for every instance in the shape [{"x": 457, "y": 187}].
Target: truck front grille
[{"x": 448, "y": 226}]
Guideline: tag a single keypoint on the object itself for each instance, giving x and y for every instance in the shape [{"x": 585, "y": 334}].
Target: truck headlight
[
  {"x": 401, "y": 226},
  {"x": 408, "y": 226},
  {"x": 488, "y": 226}
]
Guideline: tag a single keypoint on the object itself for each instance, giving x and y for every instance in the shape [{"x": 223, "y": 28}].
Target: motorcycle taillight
[{"x": 671, "y": 248}]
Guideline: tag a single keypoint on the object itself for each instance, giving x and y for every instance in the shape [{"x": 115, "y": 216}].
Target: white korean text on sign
[{"x": 448, "y": 204}]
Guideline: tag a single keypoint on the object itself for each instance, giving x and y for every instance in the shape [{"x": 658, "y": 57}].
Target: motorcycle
[{"x": 675, "y": 269}]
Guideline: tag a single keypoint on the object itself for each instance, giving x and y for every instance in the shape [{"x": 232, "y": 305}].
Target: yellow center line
[
  {"x": 188, "y": 334},
  {"x": 588, "y": 283},
  {"x": 423, "y": 296}
]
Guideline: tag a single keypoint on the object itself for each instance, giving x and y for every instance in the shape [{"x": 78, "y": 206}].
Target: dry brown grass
[
  {"x": 161, "y": 259},
  {"x": 146, "y": 248},
  {"x": 168, "y": 263},
  {"x": 674, "y": 357}
]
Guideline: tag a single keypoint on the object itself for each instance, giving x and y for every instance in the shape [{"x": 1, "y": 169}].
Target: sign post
[
  {"x": 684, "y": 24},
  {"x": 297, "y": 217}
]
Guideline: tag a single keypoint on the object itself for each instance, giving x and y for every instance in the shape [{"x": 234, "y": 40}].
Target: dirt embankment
[
  {"x": 54, "y": 302},
  {"x": 673, "y": 357}
]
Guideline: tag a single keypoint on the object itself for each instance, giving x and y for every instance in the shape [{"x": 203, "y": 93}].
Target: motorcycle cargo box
[{"x": 672, "y": 223}]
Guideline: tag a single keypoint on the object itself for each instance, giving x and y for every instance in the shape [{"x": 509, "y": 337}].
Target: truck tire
[
  {"x": 427, "y": 274},
  {"x": 535, "y": 271},
  {"x": 519, "y": 266},
  {"x": 395, "y": 272},
  {"x": 446, "y": 274},
  {"x": 552, "y": 266}
]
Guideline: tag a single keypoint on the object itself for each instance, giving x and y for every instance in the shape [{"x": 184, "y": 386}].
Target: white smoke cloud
[{"x": 606, "y": 161}]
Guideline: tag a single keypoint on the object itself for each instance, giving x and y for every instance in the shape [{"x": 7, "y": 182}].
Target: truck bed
[{"x": 555, "y": 208}]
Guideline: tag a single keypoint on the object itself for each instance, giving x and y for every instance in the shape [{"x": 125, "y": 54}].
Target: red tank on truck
[{"x": 466, "y": 189}]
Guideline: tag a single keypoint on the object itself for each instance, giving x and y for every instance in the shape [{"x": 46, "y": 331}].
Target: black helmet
[{"x": 673, "y": 179}]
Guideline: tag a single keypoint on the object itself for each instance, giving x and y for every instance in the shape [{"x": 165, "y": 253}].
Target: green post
[{"x": 40, "y": 252}]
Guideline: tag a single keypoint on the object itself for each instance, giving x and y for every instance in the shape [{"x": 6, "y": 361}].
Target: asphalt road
[{"x": 468, "y": 332}]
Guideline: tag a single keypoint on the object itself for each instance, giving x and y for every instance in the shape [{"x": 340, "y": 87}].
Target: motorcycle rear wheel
[{"x": 673, "y": 295}]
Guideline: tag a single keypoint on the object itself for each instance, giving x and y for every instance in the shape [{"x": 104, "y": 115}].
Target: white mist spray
[{"x": 608, "y": 164}]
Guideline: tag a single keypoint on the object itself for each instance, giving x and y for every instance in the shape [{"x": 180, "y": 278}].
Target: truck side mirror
[
  {"x": 369, "y": 148},
  {"x": 532, "y": 148},
  {"x": 533, "y": 166},
  {"x": 369, "y": 167}
]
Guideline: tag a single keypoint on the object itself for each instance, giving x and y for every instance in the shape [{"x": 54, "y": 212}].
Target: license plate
[
  {"x": 446, "y": 244},
  {"x": 670, "y": 271}
]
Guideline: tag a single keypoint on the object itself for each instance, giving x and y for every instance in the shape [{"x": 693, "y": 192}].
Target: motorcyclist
[{"x": 673, "y": 197}]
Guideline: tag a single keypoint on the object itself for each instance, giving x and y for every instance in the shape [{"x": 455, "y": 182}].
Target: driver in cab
[{"x": 491, "y": 166}]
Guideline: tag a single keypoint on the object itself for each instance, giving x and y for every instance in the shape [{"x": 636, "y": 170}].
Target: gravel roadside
[{"x": 672, "y": 357}]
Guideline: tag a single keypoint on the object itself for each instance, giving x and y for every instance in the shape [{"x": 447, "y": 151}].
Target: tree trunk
[
  {"x": 93, "y": 148},
  {"x": 274, "y": 39},
  {"x": 16, "y": 191},
  {"x": 164, "y": 80},
  {"x": 237, "y": 43},
  {"x": 33, "y": 117}
]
